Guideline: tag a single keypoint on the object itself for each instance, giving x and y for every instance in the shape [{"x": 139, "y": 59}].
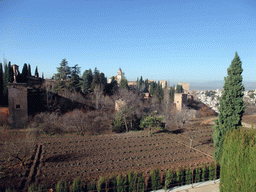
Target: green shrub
[
  {"x": 125, "y": 183},
  {"x": 118, "y": 124},
  {"x": 32, "y": 187},
  {"x": 204, "y": 172},
  {"x": 151, "y": 122},
  {"x": 197, "y": 174},
  {"x": 155, "y": 179},
  {"x": 211, "y": 171},
  {"x": 237, "y": 170},
  {"x": 180, "y": 176},
  {"x": 169, "y": 178},
  {"x": 132, "y": 178},
  {"x": 188, "y": 176},
  {"x": 91, "y": 186},
  {"x": 111, "y": 185},
  {"x": 10, "y": 189},
  {"x": 141, "y": 183},
  {"x": 120, "y": 183},
  {"x": 42, "y": 188},
  {"x": 77, "y": 185},
  {"x": 61, "y": 186},
  {"x": 101, "y": 184}
]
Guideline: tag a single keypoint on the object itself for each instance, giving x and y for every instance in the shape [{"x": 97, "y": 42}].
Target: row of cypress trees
[{"x": 136, "y": 182}]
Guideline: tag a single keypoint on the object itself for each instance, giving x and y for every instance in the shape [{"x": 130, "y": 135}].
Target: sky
[{"x": 173, "y": 40}]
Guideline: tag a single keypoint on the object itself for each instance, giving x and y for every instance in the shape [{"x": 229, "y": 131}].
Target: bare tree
[{"x": 22, "y": 150}]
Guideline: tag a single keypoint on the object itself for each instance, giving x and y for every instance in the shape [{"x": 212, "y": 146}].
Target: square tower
[
  {"x": 180, "y": 99},
  {"x": 18, "y": 104}
]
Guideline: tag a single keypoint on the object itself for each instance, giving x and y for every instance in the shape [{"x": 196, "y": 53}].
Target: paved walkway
[{"x": 208, "y": 186}]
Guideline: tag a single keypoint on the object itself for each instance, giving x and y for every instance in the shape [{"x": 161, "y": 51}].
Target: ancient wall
[{"x": 18, "y": 104}]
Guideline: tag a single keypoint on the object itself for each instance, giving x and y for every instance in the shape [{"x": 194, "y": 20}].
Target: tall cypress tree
[
  {"x": 24, "y": 73},
  {"x": 231, "y": 106},
  {"x": 5, "y": 83},
  {"x": 10, "y": 73},
  {"x": 36, "y": 72},
  {"x": 1, "y": 84},
  {"x": 29, "y": 71}
]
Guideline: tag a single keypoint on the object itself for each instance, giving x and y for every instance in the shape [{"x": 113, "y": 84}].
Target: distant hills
[{"x": 213, "y": 85}]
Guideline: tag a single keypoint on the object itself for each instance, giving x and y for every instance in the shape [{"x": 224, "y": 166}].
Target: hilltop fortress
[{"x": 119, "y": 76}]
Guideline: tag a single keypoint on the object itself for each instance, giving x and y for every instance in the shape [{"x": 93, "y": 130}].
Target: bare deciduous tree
[{"x": 22, "y": 150}]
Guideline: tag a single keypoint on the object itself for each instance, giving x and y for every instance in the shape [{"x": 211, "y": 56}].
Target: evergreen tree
[
  {"x": 24, "y": 73},
  {"x": 87, "y": 79},
  {"x": 146, "y": 85},
  {"x": 10, "y": 73},
  {"x": 1, "y": 84},
  {"x": 36, "y": 72},
  {"x": 62, "y": 74},
  {"x": 42, "y": 75},
  {"x": 29, "y": 71},
  {"x": 75, "y": 79},
  {"x": 172, "y": 91},
  {"x": 63, "y": 71},
  {"x": 179, "y": 89},
  {"x": 238, "y": 161},
  {"x": 231, "y": 106},
  {"x": 5, "y": 84},
  {"x": 123, "y": 83}
]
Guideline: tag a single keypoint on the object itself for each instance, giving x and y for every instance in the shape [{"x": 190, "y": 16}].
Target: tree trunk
[{"x": 127, "y": 130}]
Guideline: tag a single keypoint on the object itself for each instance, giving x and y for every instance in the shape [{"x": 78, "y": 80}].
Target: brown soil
[{"x": 88, "y": 157}]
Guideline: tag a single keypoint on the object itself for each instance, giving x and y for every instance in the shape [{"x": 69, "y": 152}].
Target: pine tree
[
  {"x": 1, "y": 84},
  {"x": 42, "y": 75},
  {"x": 87, "y": 79},
  {"x": 75, "y": 79},
  {"x": 231, "y": 106}
]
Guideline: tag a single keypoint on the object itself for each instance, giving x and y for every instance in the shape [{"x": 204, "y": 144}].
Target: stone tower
[
  {"x": 119, "y": 75},
  {"x": 180, "y": 99}
]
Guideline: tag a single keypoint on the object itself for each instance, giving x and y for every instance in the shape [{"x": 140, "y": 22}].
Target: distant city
[{"x": 213, "y": 85}]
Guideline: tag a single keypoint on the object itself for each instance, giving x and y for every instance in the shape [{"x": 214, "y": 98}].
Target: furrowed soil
[{"x": 89, "y": 157}]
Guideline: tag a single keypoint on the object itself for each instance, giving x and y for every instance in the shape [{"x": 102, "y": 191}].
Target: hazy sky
[{"x": 176, "y": 40}]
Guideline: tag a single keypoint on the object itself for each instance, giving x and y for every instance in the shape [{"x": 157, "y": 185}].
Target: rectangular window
[{"x": 17, "y": 106}]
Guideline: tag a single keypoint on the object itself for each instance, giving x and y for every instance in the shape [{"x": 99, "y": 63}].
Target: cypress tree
[
  {"x": 24, "y": 73},
  {"x": 237, "y": 171},
  {"x": 231, "y": 106},
  {"x": 10, "y": 73},
  {"x": 29, "y": 70},
  {"x": 5, "y": 84},
  {"x": 36, "y": 72},
  {"x": 1, "y": 84}
]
